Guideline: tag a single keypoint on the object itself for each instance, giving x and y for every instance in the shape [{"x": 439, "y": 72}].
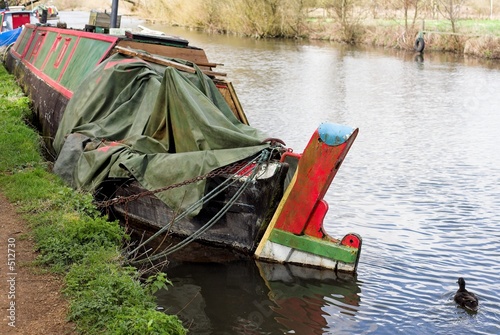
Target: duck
[{"x": 464, "y": 298}]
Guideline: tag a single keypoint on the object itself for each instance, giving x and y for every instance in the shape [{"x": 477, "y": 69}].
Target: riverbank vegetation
[
  {"x": 461, "y": 26},
  {"x": 72, "y": 238}
]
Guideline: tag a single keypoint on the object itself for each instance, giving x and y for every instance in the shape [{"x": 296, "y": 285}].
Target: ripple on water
[{"x": 421, "y": 184}]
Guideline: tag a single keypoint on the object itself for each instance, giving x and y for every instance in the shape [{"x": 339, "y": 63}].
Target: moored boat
[
  {"x": 48, "y": 10},
  {"x": 12, "y": 19},
  {"x": 160, "y": 136}
]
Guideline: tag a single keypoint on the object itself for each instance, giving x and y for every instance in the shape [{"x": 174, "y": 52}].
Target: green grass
[
  {"x": 105, "y": 295},
  {"x": 16, "y": 140},
  {"x": 467, "y": 27},
  {"x": 480, "y": 27}
]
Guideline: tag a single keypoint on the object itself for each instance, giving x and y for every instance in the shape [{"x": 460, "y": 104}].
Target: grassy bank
[{"x": 72, "y": 238}]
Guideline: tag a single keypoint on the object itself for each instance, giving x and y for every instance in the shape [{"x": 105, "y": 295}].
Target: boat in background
[
  {"x": 12, "y": 20},
  {"x": 48, "y": 10},
  {"x": 237, "y": 193}
]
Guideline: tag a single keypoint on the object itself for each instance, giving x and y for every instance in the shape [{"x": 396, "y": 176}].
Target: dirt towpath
[{"x": 30, "y": 300}]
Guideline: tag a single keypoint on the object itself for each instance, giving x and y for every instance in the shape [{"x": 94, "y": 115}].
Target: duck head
[{"x": 461, "y": 283}]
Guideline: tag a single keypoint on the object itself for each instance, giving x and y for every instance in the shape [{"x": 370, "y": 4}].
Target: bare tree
[
  {"x": 451, "y": 10},
  {"x": 348, "y": 18},
  {"x": 408, "y": 5},
  {"x": 274, "y": 18}
]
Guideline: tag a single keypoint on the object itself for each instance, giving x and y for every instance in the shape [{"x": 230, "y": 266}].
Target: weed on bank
[{"x": 71, "y": 236}]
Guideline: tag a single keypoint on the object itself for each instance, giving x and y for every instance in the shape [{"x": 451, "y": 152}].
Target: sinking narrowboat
[{"x": 159, "y": 135}]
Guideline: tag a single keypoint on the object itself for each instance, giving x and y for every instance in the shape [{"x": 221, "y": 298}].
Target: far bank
[{"x": 471, "y": 28}]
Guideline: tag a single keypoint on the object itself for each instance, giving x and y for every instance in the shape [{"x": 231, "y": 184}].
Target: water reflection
[
  {"x": 419, "y": 58},
  {"x": 421, "y": 183},
  {"x": 248, "y": 297}
]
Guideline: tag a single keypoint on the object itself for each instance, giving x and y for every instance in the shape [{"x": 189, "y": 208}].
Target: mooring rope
[
  {"x": 263, "y": 158},
  {"x": 125, "y": 199}
]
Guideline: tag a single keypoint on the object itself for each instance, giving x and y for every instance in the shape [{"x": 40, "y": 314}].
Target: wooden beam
[{"x": 163, "y": 61}]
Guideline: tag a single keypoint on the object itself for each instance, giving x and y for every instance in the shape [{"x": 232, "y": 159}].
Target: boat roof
[{"x": 14, "y": 9}]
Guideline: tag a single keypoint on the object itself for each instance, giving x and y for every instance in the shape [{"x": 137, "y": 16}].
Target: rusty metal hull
[
  {"x": 238, "y": 231},
  {"x": 48, "y": 105}
]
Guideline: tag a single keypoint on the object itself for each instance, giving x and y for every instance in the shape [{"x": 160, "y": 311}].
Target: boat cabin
[{"x": 15, "y": 17}]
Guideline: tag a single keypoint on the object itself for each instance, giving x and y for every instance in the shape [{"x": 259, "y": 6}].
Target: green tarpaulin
[{"x": 156, "y": 124}]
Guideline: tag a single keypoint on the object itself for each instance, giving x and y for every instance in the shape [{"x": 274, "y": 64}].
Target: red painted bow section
[{"x": 305, "y": 209}]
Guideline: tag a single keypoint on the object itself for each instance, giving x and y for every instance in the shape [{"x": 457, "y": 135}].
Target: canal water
[{"x": 421, "y": 185}]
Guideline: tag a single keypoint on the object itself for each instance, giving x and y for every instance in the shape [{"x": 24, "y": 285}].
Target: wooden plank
[
  {"x": 449, "y": 33},
  {"x": 227, "y": 90},
  {"x": 194, "y": 55},
  {"x": 209, "y": 64},
  {"x": 154, "y": 59},
  {"x": 162, "y": 61}
]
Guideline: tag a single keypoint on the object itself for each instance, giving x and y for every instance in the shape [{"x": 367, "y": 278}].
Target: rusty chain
[{"x": 228, "y": 169}]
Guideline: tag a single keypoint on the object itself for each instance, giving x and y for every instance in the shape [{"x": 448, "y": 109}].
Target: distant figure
[{"x": 464, "y": 298}]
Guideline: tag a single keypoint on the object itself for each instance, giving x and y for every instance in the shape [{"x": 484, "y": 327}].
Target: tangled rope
[
  {"x": 248, "y": 177},
  {"x": 124, "y": 199}
]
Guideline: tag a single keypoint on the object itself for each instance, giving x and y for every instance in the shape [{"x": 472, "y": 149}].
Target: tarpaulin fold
[{"x": 153, "y": 123}]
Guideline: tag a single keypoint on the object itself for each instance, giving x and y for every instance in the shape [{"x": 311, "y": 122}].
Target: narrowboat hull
[
  {"x": 241, "y": 227},
  {"x": 256, "y": 214}
]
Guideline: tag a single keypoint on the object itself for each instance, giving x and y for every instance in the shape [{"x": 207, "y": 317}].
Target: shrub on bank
[
  {"x": 106, "y": 297},
  {"x": 350, "y": 21},
  {"x": 483, "y": 47}
]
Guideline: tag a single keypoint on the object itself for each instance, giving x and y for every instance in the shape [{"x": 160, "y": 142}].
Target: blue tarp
[{"x": 9, "y": 37}]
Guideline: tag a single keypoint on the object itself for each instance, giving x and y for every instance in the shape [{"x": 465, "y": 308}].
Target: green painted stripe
[
  {"x": 314, "y": 246},
  {"x": 85, "y": 59}
]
